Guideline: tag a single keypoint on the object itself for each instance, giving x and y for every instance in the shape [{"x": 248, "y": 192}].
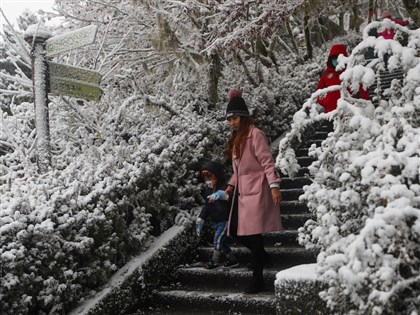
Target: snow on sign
[
  {"x": 68, "y": 41},
  {"x": 74, "y": 81}
]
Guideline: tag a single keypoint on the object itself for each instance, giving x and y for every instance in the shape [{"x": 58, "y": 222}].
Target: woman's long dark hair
[{"x": 238, "y": 137}]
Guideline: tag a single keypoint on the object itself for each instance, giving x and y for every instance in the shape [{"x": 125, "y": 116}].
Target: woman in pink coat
[{"x": 255, "y": 186}]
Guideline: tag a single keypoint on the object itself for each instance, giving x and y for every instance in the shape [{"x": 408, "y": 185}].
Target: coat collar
[{"x": 250, "y": 131}]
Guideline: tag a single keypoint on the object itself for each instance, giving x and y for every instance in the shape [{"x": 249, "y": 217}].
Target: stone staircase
[
  {"x": 383, "y": 79},
  {"x": 383, "y": 82},
  {"x": 219, "y": 291}
]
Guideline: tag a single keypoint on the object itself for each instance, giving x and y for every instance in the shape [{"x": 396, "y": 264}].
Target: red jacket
[
  {"x": 331, "y": 77},
  {"x": 389, "y": 33}
]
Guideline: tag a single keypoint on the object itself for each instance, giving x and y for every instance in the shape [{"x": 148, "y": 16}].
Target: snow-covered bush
[
  {"x": 366, "y": 187},
  {"x": 113, "y": 168},
  {"x": 122, "y": 169}
]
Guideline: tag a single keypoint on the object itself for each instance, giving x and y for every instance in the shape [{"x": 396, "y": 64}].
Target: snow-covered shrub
[
  {"x": 66, "y": 231},
  {"x": 124, "y": 168},
  {"x": 115, "y": 168},
  {"x": 366, "y": 186}
]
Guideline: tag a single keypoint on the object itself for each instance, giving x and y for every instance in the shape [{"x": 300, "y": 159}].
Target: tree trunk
[
  {"x": 355, "y": 19},
  {"x": 330, "y": 28},
  {"x": 371, "y": 11},
  {"x": 321, "y": 33},
  {"x": 341, "y": 21},
  {"x": 307, "y": 31},
  {"x": 215, "y": 71},
  {"x": 247, "y": 73},
  {"x": 292, "y": 37}
]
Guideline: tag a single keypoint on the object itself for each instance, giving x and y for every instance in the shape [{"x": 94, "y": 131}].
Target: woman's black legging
[{"x": 255, "y": 242}]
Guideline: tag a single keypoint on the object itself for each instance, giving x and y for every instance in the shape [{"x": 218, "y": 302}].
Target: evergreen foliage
[
  {"x": 125, "y": 168},
  {"x": 366, "y": 185}
]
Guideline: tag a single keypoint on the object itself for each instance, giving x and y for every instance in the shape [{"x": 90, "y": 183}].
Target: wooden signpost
[
  {"x": 57, "y": 78},
  {"x": 68, "y": 80},
  {"x": 74, "y": 81},
  {"x": 71, "y": 40}
]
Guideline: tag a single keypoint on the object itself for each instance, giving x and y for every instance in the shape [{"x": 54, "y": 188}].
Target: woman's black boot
[{"x": 256, "y": 285}]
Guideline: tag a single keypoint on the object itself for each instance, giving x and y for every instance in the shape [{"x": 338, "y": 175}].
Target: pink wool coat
[{"x": 253, "y": 175}]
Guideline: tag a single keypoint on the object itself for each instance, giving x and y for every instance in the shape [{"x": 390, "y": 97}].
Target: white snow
[
  {"x": 37, "y": 30},
  {"x": 304, "y": 272},
  {"x": 364, "y": 193},
  {"x": 365, "y": 188}
]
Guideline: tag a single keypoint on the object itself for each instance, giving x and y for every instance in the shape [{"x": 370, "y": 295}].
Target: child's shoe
[
  {"x": 215, "y": 261},
  {"x": 231, "y": 261},
  {"x": 212, "y": 265},
  {"x": 231, "y": 264}
]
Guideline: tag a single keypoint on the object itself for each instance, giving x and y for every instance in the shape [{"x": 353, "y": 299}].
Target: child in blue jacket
[{"x": 216, "y": 207}]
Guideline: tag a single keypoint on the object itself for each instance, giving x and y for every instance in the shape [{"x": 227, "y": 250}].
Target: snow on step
[{"x": 228, "y": 302}]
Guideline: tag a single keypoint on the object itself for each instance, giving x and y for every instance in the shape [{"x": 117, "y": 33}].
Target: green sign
[
  {"x": 74, "y": 81},
  {"x": 68, "y": 41}
]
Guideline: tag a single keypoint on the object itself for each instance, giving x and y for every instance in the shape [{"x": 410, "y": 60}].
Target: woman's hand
[
  {"x": 228, "y": 190},
  {"x": 276, "y": 195}
]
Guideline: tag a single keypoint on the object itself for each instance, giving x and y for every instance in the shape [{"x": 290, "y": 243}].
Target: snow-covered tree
[
  {"x": 175, "y": 40},
  {"x": 124, "y": 168},
  {"x": 365, "y": 193}
]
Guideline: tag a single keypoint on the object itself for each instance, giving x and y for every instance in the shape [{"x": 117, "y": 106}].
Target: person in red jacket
[
  {"x": 389, "y": 33},
  {"x": 331, "y": 77}
]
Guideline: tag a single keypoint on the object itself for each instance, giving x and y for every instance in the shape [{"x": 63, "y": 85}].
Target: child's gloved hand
[
  {"x": 218, "y": 195},
  {"x": 199, "y": 226}
]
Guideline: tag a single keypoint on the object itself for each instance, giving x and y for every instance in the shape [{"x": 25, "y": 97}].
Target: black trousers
[{"x": 255, "y": 243}]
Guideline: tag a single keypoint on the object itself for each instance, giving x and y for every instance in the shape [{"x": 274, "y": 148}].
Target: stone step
[
  {"x": 296, "y": 182},
  {"x": 279, "y": 255},
  {"x": 302, "y": 152},
  {"x": 159, "y": 310},
  {"x": 324, "y": 127},
  {"x": 301, "y": 173},
  {"x": 225, "y": 302},
  {"x": 281, "y": 238},
  {"x": 284, "y": 237},
  {"x": 321, "y": 134},
  {"x": 385, "y": 81},
  {"x": 390, "y": 78},
  {"x": 295, "y": 221},
  {"x": 388, "y": 74},
  {"x": 293, "y": 207},
  {"x": 291, "y": 194},
  {"x": 233, "y": 279},
  {"x": 307, "y": 143},
  {"x": 383, "y": 88},
  {"x": 305, "y": 160}
]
